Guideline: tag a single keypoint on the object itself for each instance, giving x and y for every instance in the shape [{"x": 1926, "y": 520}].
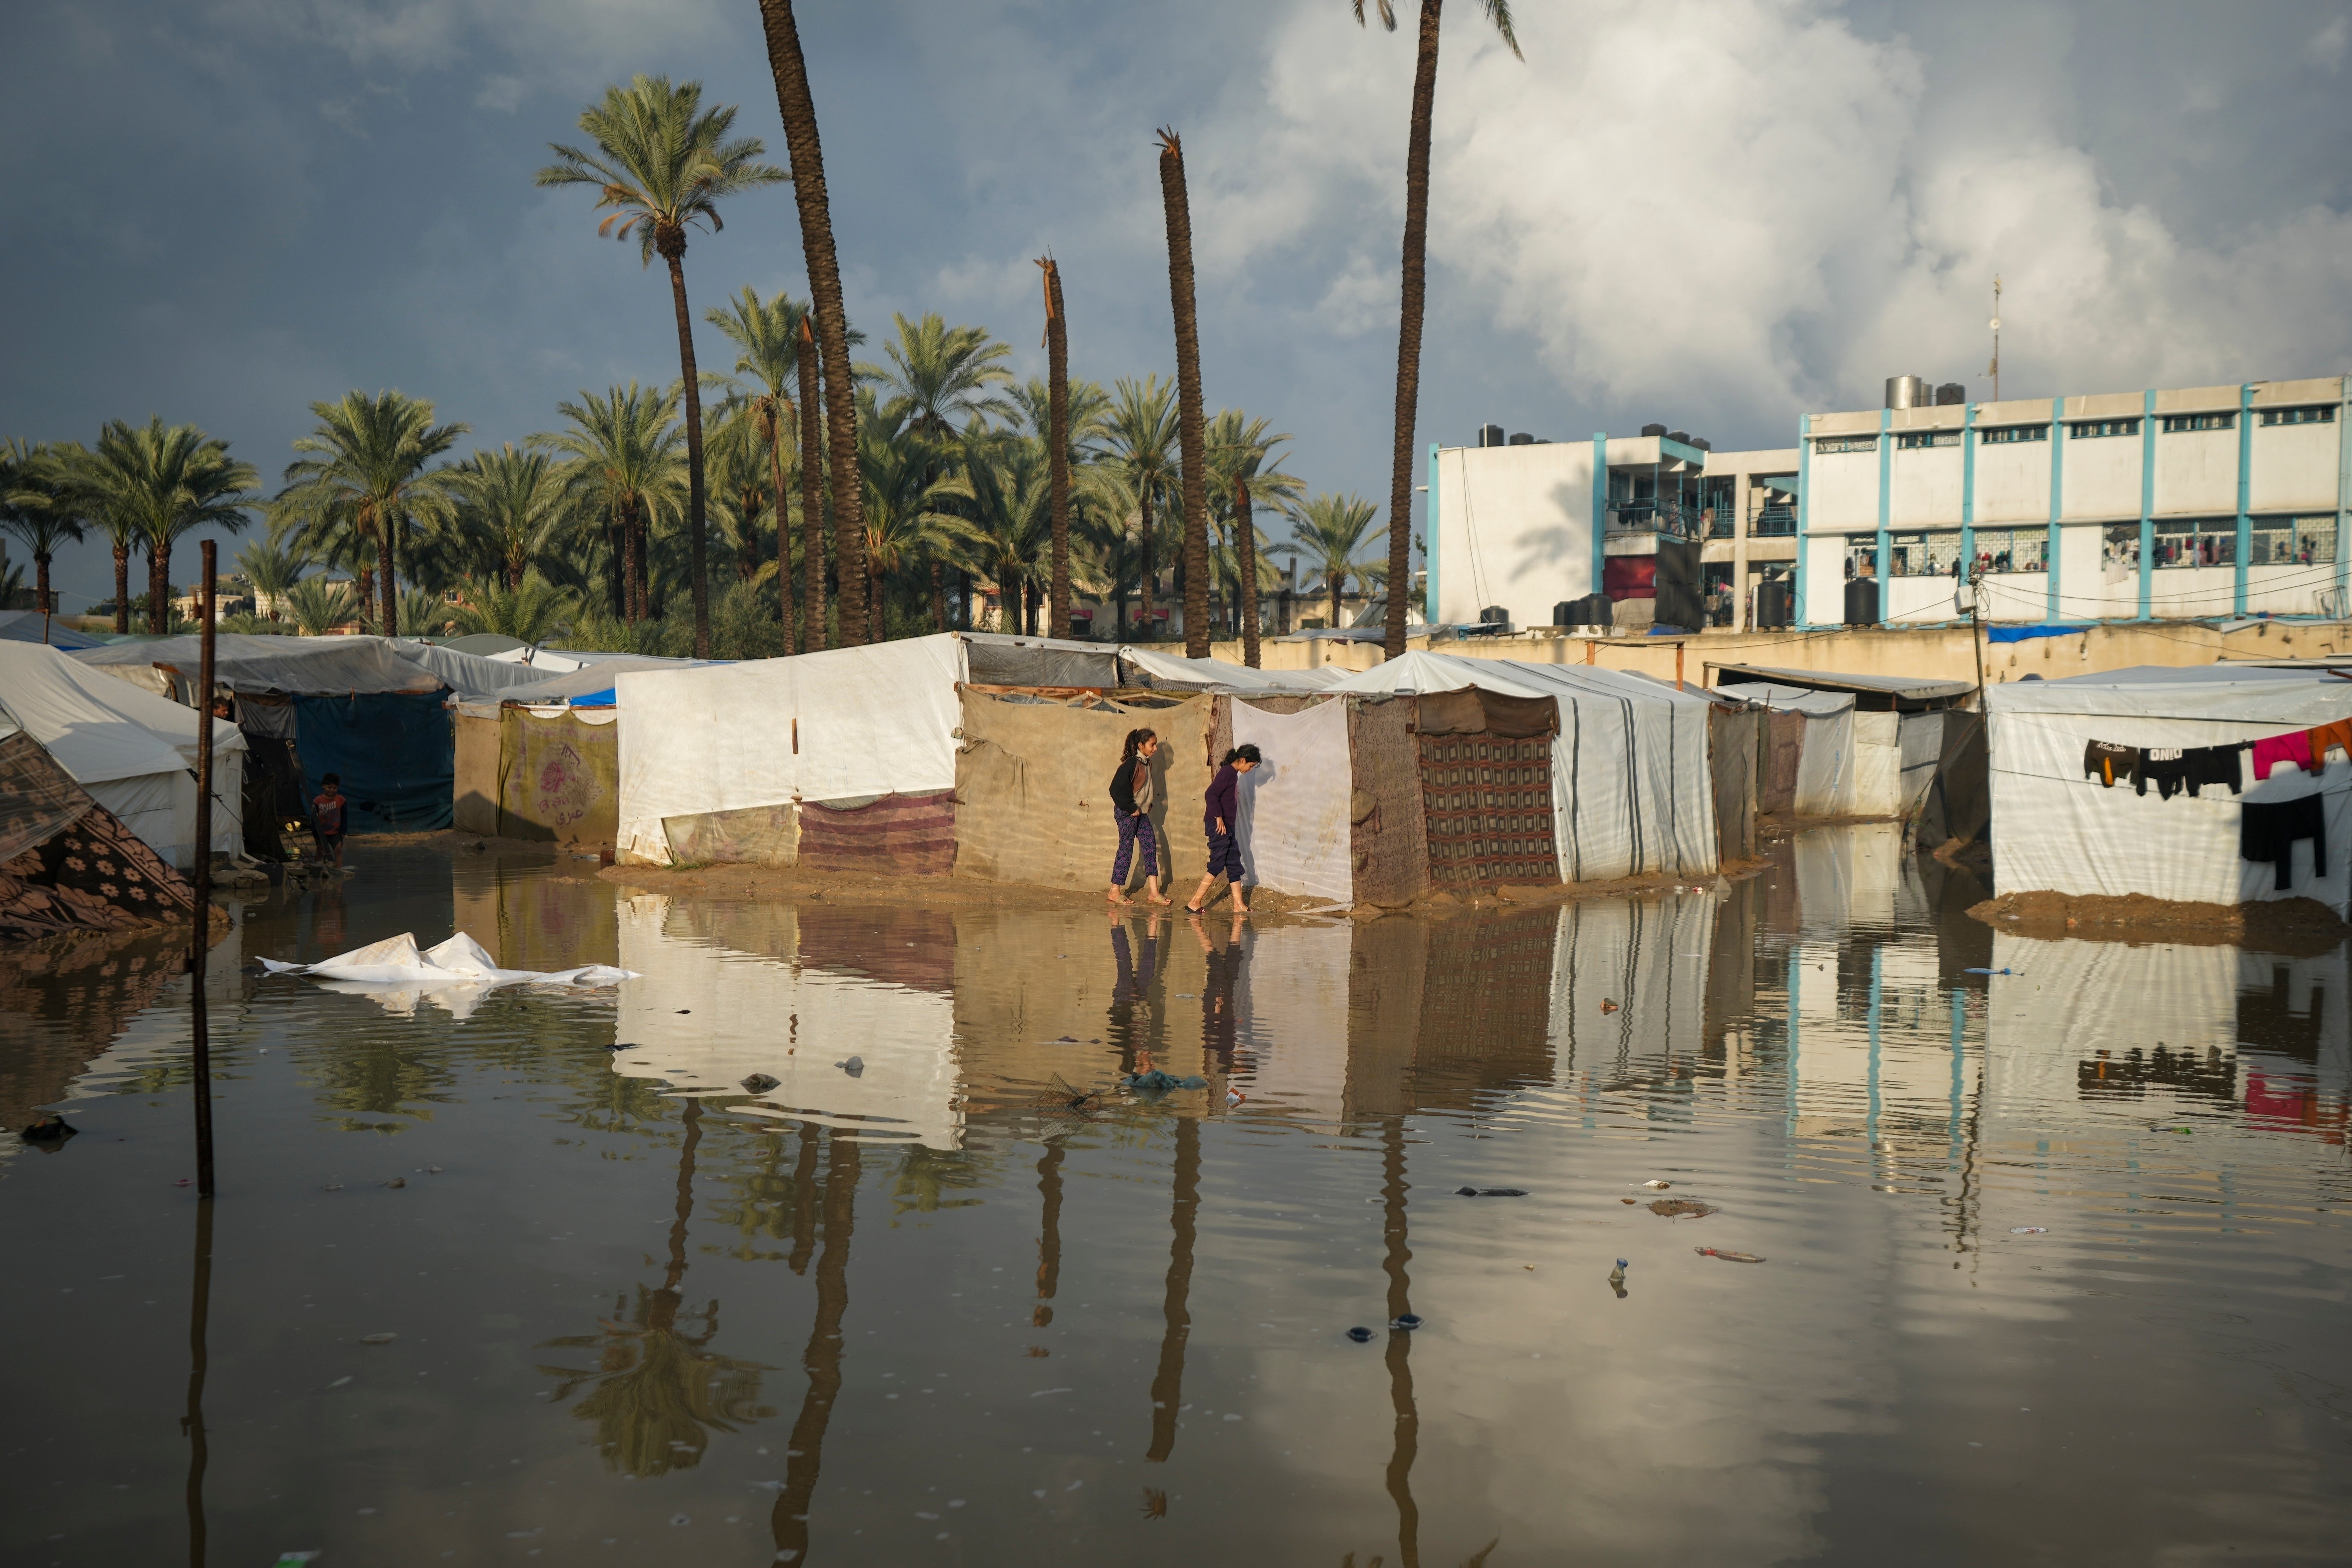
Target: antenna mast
[{"x": 1994, "y": 370}]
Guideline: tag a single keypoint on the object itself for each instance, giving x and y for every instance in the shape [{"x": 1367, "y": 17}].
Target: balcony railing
[
  {"x": 1669, "y": 518},
  {"x": 1772, "y": 521}
]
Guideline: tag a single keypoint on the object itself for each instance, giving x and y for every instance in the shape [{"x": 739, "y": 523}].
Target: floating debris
[
  {"x": 1728, "y": 1257},
  {"x": 1680, "y": 1208}
]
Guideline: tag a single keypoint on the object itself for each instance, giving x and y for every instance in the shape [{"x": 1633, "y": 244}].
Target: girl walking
[
  {"x": 1130, "y": 807},
  {"x": 1220, "y": 819}
]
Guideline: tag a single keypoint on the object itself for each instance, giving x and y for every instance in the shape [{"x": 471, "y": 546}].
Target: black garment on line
[
  {"x": 2107, "y": 762},
  {"x": 2174, "y": 769},
  {"x": 2268, "y": 829},
  {"x": 2165, "y": 767},
  {"x": 2214, "y": 765}
]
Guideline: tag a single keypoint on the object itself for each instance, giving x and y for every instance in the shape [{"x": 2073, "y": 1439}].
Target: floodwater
[{"x": 2054, "y": 1261}]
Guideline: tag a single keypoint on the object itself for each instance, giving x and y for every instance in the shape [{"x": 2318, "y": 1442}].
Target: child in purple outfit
[{"x": 1220, "y": 819}]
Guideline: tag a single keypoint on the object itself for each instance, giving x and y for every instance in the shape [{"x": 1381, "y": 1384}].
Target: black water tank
[
  {"x": 1490, "y": 435},
  {"x": 1775, "y": 606},
  {"x": 1862, "y": 602},
  {"x": 1681, "y": 436},
  {"x": 1702, "y": 443},
  {"x": 1949, "y": 394},
  {"x": 1521, "y": 438},
  {"x": 1653, "y": 429}
]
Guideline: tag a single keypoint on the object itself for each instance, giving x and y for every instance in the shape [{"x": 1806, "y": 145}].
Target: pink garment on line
[{"x": 2272, "y": 750}]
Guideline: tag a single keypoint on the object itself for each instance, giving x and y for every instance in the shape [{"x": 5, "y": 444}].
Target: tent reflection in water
[{"x": 2056, "y": 829}]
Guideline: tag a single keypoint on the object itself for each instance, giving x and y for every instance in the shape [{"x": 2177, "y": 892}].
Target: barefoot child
[
  {"x": 328, "y": 809},
  {"x": 1220, "y": 819},
  {"x": 1130, "y": 807}
]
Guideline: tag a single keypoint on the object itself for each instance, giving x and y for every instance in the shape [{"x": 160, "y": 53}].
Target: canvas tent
[
  {"x": 135, "y": 751},
  {"x": 542, "y": 760},
  {"x": 66, "y": 863},
  {"x": 1826, "y": 782},
  {"x": 31, "y": 626},
  {"x": 1630, "y": 788},
  {"x": 2058, "y": 828}
]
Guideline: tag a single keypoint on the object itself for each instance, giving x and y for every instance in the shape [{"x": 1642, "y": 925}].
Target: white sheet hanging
[
  {"x": 1294, "y": 805},
  {"x": 455, "y": 974}
]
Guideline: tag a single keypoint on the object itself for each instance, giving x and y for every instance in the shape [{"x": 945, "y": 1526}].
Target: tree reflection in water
[
  {"x": 790, "y": 1521},
  {"x": 659, "y": 1390}
]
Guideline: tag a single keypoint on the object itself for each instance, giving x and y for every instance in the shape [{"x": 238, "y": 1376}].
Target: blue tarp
[
  {"x": 2022, "y": 633},
  {"x": 604, "y": 699},
  {"x": 396, "y": 752}
]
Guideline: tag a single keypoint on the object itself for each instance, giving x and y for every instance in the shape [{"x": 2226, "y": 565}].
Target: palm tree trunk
[
  {"x": 616, "y": 565},
  {"x": 1245, "y": 547},
  {"x": 1408, "y": 385},
  {"x": 876, "y": 624},
  {"x": 365, "y": 598},
  {"x": 671, "y": 242},
  {"x": 1191, "y": 434},
  {"x": 798, "y": 108},
  {"x": 41, "y": 582},
  {"x": 159, "y": 584},
  {"x": 390, "y": 587},
  {"x": 938, "y": 600},
  {"x": 784, "y": 525},
  {"x": 121, "y": 586},
  {"x": 1144, "y": 587},
  {"x": 1058, "y": 446},
  {"x": 1339, "y": 586},
  {"x": 806, "y": 1448},
  {"x": 812, "y": 490}
]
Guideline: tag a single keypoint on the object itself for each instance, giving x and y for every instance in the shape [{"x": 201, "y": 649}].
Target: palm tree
[
  {"x": 903, "y": 519},
  {"x": 625, "y": 467},
  {"x": 1240, "y": 448},
  {"x": 1009, "y": 481},
  {"x": 511, "y": 506},
  {"x": 1139, "y": 440},
  {"x": 271, "y": 566},
  {"x": 367, "y": 476},
  {"x": 318, "y": 605},
  {"x": 742, "y": 472},
  {"x": 1056, "y": 435},
  {"x": 798, "y": 109},
  {"x": 1415, "y": 286},
  {"x": 768, "y": 334},
  {"x": 38, "y": 508},
  {"x": 74, "y": 469},
  {"x": 664, "y": 163},
  {"x": 153, "y": 484},
  {"x": 530, "y": 609},
  {"x": 939, "y": 377},
  {"x": 812, "y": 456},
  {"x": 1193, "y": 438},
  {"x": 424, "y": 614},
  {"x": 1327, "y": 532}
]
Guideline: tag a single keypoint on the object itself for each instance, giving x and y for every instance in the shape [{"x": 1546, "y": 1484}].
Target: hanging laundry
[
  {"x": 2338, "y": 734},
  {"x": 2213, "y": 765},
  {"x": 2164, "y": 766},
  {"x": 2272, "y": 750},
  {"x": 2107, "y": 762},
  {"x": 2269, "y": 829}
]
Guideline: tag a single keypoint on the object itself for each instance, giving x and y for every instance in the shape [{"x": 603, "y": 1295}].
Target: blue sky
[{"x": 1714, "y": 213}]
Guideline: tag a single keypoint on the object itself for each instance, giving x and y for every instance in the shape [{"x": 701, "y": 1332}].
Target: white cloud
[{"x": 2326, "y": 47}]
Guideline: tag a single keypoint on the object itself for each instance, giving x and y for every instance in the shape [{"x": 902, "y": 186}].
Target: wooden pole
[
  {"x": 1678, "y": 667},
  {"x": 202, "y": 878}
]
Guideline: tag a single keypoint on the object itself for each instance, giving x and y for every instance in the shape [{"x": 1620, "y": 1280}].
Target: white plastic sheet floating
[{"x": 455, "y": 975}]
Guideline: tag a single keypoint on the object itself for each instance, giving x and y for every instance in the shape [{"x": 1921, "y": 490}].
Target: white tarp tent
[
  {"x": 1169, "y": 670},
  {"x": 845, "y": 724},
  {"x": 2058, "y": 829},
  {"x": 1632, "y": 789},
  {"x": 133, "y": 751},
  {"x": 1296, "y": 832}
]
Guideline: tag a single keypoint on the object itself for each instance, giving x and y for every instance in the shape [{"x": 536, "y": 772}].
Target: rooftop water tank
[
  {"x": 1653, "y": 429},
  {"x": 1951, "y": 393},
  {"x": 1906, "y": 392},
  {"x": 1490, "y": 435},
  {"x": 1521, "y": 438}
]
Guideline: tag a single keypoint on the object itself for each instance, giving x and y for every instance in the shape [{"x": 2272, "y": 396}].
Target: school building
[{"x": 2188, "y": 503}]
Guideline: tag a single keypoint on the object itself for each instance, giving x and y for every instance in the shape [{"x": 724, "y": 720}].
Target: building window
[
  {"x": 1917, "y": 441},
  {"x": 2013, "y": 549},
  {"x": 2092, "y": 429},
  {"x": 2181, "y": 424},
  {"x": 2003, "y": 435},
  {"x": 1861, "y": 555},
  {"x": 1845, "y": 444},
  {"x": 2317, "y": 414},
  {"x": 1923, "y": 554},
  {"x": 2196, "y": 542},
  {"x": 2294, "y": 541},
  {"x": 2119, "y": 553}
]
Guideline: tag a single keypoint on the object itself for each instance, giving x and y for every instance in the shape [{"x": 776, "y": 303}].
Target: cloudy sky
[{"x": 1714, "y": 213}]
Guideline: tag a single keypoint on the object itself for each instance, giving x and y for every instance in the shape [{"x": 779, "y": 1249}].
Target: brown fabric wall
[
  {"x": 754, "y": 836},
  {"x": 562, "y": 779},
  {"x": 1032, "y": 781},
  {"x": 1475, "y": 711},
  {"x": 38, "y": 799},
  {"x": 90, "y": 874},
  {"x": 1389, "y": 835},
  {"x": 1785, "y": 742},
  {"x": 1736, "y": 738},
  {"x": 896, "y": 834},
  {"x": 474, "y": 792}
]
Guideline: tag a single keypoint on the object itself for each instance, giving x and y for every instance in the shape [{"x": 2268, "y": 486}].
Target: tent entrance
[{"x": 1487, "y": 803}]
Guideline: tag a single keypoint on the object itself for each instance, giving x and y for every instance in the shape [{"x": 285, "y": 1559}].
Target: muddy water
[{"x": 2054, "y": 1261}]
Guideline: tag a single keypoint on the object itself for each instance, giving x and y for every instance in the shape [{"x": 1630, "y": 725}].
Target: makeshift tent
[
  {"x": 1630, "y": 787},
  {"x": 719, "y": 753},
  {"x": 392, "y": 750},
  {"x": 1294, "y": 820},
  {"x": 542, "y": 761},
  {"x": 1149, "y": 668},
  {"x": 2059, "y": 829},
  {"x": 283, "y": 664},
  {"x": 135, "y": 751},
  {"x": 67, "y": 864},
  {"x": 31, "y": 626},
  {"x": 1827, "y": 780},
  {"x": 1032, "y": 786},
  {"x": 1738, "y": 740}
]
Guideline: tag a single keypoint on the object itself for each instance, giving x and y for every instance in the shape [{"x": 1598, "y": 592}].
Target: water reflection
[{"x": 1983, "y": 1228}]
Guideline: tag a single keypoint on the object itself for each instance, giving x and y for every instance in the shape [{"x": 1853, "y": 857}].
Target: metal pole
[{"x": 204, "y": 880}]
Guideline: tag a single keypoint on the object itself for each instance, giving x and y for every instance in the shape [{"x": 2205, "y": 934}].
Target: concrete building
[
  {"x": 2183, "y": 504},
  {"x": 1528, "y": 531}
]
